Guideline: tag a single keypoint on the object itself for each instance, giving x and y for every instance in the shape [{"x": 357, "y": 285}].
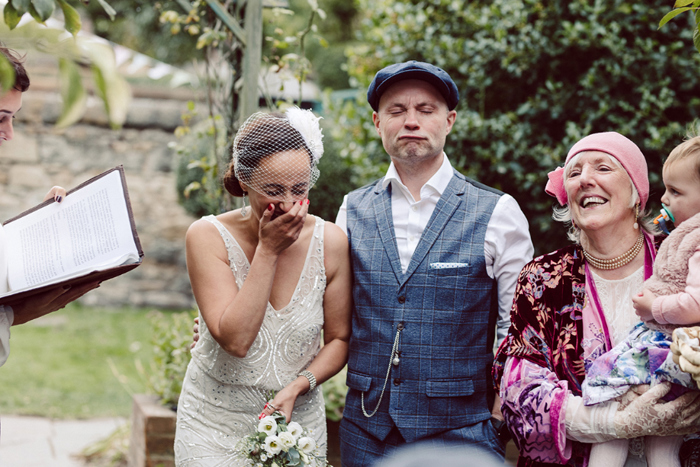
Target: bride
[{"x": 261, "y": 275}]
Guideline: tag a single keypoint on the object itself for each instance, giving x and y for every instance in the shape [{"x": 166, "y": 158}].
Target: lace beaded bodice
[{"x": 289, "y": 338}]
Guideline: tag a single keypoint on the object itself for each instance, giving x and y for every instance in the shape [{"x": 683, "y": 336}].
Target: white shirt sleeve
[
  {"x": 341, "y": 220},
  {"x": 7, "y": 317},
  {"x": 507, "y": 248}
]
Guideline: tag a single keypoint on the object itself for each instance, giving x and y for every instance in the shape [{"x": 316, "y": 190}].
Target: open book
[{"x": 89, "y": 236}]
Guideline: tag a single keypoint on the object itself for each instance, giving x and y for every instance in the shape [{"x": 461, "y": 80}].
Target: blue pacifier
[{"x": 665, "y": 217}]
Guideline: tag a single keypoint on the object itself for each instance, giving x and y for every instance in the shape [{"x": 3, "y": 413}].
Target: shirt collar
[{"x": 438, "y": 181}]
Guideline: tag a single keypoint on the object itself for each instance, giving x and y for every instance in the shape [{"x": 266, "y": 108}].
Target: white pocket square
[{"x": 448, "y": 265}]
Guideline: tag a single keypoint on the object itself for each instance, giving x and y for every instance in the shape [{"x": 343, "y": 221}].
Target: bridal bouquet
[{"x": 277, "y": 443}]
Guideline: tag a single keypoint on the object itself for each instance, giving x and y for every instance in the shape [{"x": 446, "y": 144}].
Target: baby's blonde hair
[{"x": 688, "y": 148}]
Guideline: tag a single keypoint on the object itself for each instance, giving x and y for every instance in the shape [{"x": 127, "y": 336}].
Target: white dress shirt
[
  {"x": 507, "y": 245},
  {"x": 7, "y": 316}
]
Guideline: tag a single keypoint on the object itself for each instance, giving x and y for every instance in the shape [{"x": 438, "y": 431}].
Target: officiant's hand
[
  {"x": 44, "y": 303},
  {"x": 57, "y": 193}
]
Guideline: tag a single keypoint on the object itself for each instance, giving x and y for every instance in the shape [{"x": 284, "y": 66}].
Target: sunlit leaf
[
  {"x": 11, "y": 16},
  {"x": 108, "y": 9},
  {"x": 7, "y": 74},
  {"x": 190, "y": 188},
  {"x": 682, "y": 3},
  {"x": 672, "y": 14},
  {"x": 72, "y": 92},
  {"x": 198, "y": 164},
  {"x": 43, "y": 8},
  {"x": 109, "y": 84},
  {"x": 71, "y": 16}
]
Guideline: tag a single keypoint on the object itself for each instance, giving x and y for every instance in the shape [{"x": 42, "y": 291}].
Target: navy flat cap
[{"x": 412, "y": 70}]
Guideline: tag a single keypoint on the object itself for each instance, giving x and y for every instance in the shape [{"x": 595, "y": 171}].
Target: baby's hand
[
  {"x": 57, "y": 193},
  {"x": 642, "y": 305}
]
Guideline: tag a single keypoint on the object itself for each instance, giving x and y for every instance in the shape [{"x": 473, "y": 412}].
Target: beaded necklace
[{"x": 614, "y": 263}]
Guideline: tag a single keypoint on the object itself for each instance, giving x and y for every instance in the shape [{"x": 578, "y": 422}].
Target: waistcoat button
[
  {"x": 397, "y": 381},
  {"x": 402, "y": 299},
  {"x": 400, "y": 326}
]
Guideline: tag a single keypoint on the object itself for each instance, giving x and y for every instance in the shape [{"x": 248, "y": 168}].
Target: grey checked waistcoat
[{"x": 447, "y": 313}]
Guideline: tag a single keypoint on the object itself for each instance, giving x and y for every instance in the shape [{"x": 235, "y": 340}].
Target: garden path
[{"x": 42, "y": 442}]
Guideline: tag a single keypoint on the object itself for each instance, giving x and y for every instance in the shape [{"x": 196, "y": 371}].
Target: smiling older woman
[{"x": 574, "y": 304}]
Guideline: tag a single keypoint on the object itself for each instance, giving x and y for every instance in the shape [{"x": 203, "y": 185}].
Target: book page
[{"x": 89, "y": 230}]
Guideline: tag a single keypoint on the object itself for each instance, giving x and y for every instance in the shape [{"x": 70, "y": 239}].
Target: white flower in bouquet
[
  {"x": 307, "y": 445},
  {"x": 295, "y": 429},
  {"x": 263, "y": 457},
  {"x": 286, "y": 440},
  {"x": 267, "y": 425},
  {"x": 272, "y": 445}
]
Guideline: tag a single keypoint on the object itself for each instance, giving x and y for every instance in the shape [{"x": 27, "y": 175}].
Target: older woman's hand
[{"x": 647, "y": 414}]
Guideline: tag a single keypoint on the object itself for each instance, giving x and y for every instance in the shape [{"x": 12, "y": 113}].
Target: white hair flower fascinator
[{"x": 306, "y": 123}]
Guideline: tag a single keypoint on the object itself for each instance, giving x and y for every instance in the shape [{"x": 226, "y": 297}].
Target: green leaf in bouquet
[{"x": 293, "y": 457}]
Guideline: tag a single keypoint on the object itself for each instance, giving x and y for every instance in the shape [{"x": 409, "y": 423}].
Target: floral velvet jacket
[
  {"x": 546, "y": 330},
  {"x": 547, "y": 341}
]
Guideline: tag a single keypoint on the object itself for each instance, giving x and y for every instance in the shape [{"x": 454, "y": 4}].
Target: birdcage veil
[{"x": 285, "y": 135}]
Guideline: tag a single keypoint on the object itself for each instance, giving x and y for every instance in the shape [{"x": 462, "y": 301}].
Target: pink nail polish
[{"x": 308, "y": 201}]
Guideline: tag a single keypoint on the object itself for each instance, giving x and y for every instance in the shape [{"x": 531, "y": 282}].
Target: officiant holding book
[{"x": 23, "y": 310}]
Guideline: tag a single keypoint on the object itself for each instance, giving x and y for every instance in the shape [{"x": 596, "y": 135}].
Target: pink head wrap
[{"x": 614, "y": 144}]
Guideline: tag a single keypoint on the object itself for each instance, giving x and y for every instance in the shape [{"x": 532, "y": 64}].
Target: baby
[{"x": 671, "y": 297}]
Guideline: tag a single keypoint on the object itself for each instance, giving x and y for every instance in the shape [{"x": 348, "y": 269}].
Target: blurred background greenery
[{"x": 533, "y": 76}]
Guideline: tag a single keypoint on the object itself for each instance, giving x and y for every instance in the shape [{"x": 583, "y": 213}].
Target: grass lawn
[{"x": 79, "y": 362}]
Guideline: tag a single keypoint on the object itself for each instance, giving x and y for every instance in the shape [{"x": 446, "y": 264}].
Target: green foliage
[
  {"x": 72, "y": 52},
  {"x": 73, "y": 93},
  {"x": 200, "y": 154},
  {"x": 534, "y": 77},
  {"x": 681, "y": 7},
  {"x": 172, "y": 337},
  {"x": 334, "y": 391},
  {"x": 7, "y": 74},
  {"x": 42, "y": 10}
]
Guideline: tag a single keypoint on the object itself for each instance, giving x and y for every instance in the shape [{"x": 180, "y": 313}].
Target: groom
[{"x": 435, "y": 259}]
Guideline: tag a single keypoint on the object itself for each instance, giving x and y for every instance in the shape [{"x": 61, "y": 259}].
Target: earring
[
  {"x": 244, "y": 209},
  {"x": 636, "y": 216}
]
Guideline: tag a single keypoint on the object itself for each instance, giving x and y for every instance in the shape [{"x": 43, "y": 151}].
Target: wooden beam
[
  {"x": 251, "y": 58},
  {"x": 230, "y": 21}
]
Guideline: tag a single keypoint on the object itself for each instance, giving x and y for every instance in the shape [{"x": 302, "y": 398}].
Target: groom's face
[{"x": 413, "y": 121}]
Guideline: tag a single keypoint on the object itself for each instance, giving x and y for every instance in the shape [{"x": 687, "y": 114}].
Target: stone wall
[{"x": 41, "y": 156}]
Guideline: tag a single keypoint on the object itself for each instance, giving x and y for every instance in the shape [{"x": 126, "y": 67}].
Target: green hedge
[{"x": 534, "y": 77}]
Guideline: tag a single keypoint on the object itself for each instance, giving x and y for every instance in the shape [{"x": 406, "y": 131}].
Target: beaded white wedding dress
[{"x": 223, "y": 395}]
